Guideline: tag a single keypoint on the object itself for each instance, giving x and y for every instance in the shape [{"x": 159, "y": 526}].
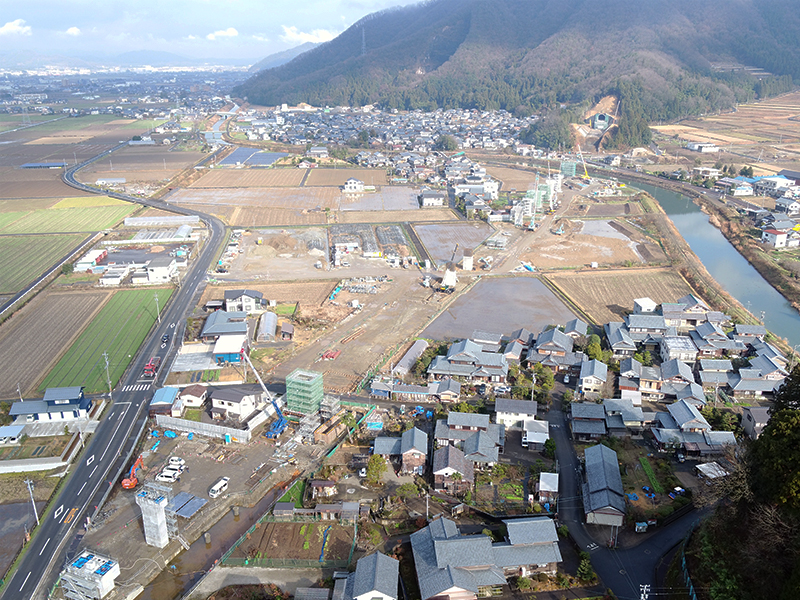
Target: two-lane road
[{"x": 108, "y": 447}]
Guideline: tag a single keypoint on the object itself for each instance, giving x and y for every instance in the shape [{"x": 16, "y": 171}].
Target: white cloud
[
  {"x": 73, "y": 31},
  {"x": 295, "y": 36},
  {"x": 191, "y": 37},
  {"x": 222, "y": 33},
  {"x": 16, "y": 27},
  {"x": 260, "y": 37}
]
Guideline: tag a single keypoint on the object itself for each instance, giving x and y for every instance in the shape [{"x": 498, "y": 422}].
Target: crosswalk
[{"x": 139, "y": 387}]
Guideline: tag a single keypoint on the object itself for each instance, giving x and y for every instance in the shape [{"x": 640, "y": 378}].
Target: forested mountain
[{"x": 490, "y": 54}]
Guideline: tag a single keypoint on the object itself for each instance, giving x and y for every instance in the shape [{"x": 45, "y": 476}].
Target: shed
[
  {"x": 283, "y": 510},
  {"x": 229, "y": 348},
  {"x": 162, "y": 401},
  {"x": 287, "y": 332},
  {"x": 404, "y": 365}
]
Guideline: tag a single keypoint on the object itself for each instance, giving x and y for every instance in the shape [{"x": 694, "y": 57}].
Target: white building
[
  {"x": 353, "y": 186},
  {"x": 89, "y": 576},
  {"x": 161, "y": 269},
  {"x": 702, "y": 147}
]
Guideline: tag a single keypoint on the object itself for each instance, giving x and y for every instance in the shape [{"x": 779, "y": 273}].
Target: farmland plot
[
  {"x": 119, "y": 329},
  {"x": 230, "y": 178},
  {"x": 337, "y": 177},
  {"x": 33, "y": 340},
  {"x": 25, "y": 257},
  {"x": 608, "y": 295},
  {"x": 56, "y": 220}
]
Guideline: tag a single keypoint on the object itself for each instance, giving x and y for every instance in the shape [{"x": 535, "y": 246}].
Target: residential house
[
  {"x": 452, "y": 472},
  {"x": 603, "y": 496},
  {"x": 194, "y": 396},
  {"x": 547, "y": 488},
  {"x": 650, "y": 383},
  {"x": 489, "y": 341},
  {"x": 622, "y": 417},
  {"x": 646, "y": 323},
  {"x": 535, "y": 433},
  {"x": 513, "y": 413},
  {"x": 553, "y": 342},
  {"x": 161, "y": 269},
  {"x": 376, "y": 578},
  {"x": 644, "y": 306},
  {"x": 569, "y": 362},
  {"x": 513, "y": 351},
  {"x": 451, "y": 566},
  {"x": 230, "y": 348},
  {"x": 221, "y": 323},
  {"x": 248, "y": 301},
  {"x": 58, "y": 404},
  {"x": 593, "y": 376},
  {"x": 749, "y": 333},
  {"x": 323, "y": 488},
  {"x": 163, "y": 401},
  {"x": 410, "y": 449},
  {"x": 683, "y": 427},
  {"x": 754, "y": 419},
  {"x": 576, "y": 328},
  {"x": 630, "y": 371},
  {"x": 467, "y": 359},
  {"x": 236, "y": 403},
  {"x": 317, "y": 152},
  {"x": 748, "y": 384},
  {"x": 522, "y": 335},
  {"x": 587, "y": 420},
  {"x": 353, "y": 186},
  {"x": 712, "y": 341},
  {"x": 679, "y": 347},
  {"x": 621, "y": 344},
  {"x": 480, "y": 440},
  {"x": 714, "y": 373},
  {"x": 431, "y": 199}
]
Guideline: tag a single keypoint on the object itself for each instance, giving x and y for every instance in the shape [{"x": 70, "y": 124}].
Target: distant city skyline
[{"x": 232, "y": 29}]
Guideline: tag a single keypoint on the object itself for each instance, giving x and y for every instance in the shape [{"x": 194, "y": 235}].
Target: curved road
[{"x": 105, "y": 455}]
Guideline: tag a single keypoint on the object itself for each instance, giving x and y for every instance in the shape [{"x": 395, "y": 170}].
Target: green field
[
  {"x": 25, "y": 257},
  {"x": 119, "y": 329},
  {"x": 145, "y": 124},
  {"x": 72, "y": 124},
  {"x": 8, "y": 122},
  {"x": 67, "y": 220}
]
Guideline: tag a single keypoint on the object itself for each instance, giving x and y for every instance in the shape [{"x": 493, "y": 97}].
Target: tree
[
  {"x": 594, "y": 351},
  {"x": 407, "y": 490},
  {"x": 585, "y": 570},
  {"x": 788, "y": 396},
  {"x": 567, "y": 397},
  {"x": 746, "y": 171},
  {"x": 551, "y": 132},
  {"x": 644, "y": 357},
  {"x": 550, "y": 448},
  {"x": 67, "y": 269},
  {"x": 376, "y": 467},
  {"x": 544, "y": 377},
  {"x": 350, "y": 422},
  {"x": 446, "y": 143},
  {"x": 776, "y": 454}
]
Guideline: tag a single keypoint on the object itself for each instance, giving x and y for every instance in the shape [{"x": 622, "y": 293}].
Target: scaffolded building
[{"x": 304, "y": 392}]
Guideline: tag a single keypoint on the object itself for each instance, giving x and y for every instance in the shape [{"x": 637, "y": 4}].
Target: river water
[{"x": 726, "y": 265}]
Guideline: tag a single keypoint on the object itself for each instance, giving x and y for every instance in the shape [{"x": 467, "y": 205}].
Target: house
[
  {"x": 58, "y": 404},
  {"x": 644, "y": 306},
  {"x": 221, "y": 323},
  {"x": 621, "y": 344},
  {"x": 467, "y": 359},
  {"x": 714, "y": 373},
  {"x": 248, "y": 301},
  {"x": 593, "y": 376},
  {"x": 749, "y": 333},
  {"x": 375, "y": 578},
  {"x": 603, "y": 497},
  {"x": 353, "y": 186},
  {"x": 411, "y": 449},
  {"x": 431, "y": 199},
  {"x": 547, "y": 488},
  {"x": 480, "y": 440},
  {"x": 482, "y": 449},
  {"x": 451, "y": 566},
  {"x": 323, "y": 488},
  {"x": 317, "y": 152},
  {"x": 679, "y": 347},
  {"x": 194, "y": 396},
  {"x": 513, "y": 351},
  {"x": 688, "y": 417},
  {"x": 587, "y": 420},
  {"x": 622, "y": 417},
  {"x": 553, "y": 341},
  {"x": 749, "y": 384},
  {"x": 161, "y": 269},
  {"x": 163, "y": 401},
  {"x": 512, "y": 413},
  {"x": 236, "y": 403},
  {"x": 576, "y": 328},
  {"x": 650, "y": 383},
  {"x": 452, "y": 472},
  {"x": 535, "y": 433},
  {"x": 754, "y": 419},
  {"x": 522, "y": 335},
  {"x": 230, "y": 348}
]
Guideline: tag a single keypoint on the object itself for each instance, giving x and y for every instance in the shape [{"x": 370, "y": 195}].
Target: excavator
[{"x": 130, "y": 481}]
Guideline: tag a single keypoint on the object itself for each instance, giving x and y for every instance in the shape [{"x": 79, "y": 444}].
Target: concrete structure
[
  {"x": 467, "y": 263},
  {"x": 304, "y": 392},
  {"x": 154, "y": 517},
  {"x": 754, "y": 419},
  {"x": 88, "y": 576},
  {"x": 161, "y": 269}
]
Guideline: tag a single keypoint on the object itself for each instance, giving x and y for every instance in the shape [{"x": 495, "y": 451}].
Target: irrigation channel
[{"x": 726, "y": 265}]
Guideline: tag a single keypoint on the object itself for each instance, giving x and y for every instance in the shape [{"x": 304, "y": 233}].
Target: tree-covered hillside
[{"x": 491, "y": 54}]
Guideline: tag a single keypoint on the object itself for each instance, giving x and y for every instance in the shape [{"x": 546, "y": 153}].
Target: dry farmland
[
  {"x": 291, "y": 198},
  {"x": 35, "y": 337},
  {"x": 298, "y": 541},
  {"x": 608, "y": 295},
  {"x": 513, "y": 179},
  {"x": 337, "y": 177},
  {"x": 238, "y": 178},
  {"x": 270, "y": 217},
  {"x": 396, "y": 216}
]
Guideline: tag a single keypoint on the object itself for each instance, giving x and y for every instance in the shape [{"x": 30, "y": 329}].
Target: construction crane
[
  {"x": 131, "y": 481},
  {"x": 585, "y": 171},
  {"x": 278, "y": 426}
]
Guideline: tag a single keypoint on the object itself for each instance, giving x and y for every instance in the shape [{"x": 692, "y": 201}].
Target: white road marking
[
  {"x": 90, "y": 460},
  {"x": 24, "y": 582},
  {"x": 43, "y": 547},
  {"x": 83, "y": 486},
  {"x": 93, "y": 470},
  {"x": 59, "y": 510},
  {"x": 114, "y": 435}
]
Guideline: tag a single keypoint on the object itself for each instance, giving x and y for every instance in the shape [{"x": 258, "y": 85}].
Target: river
[{"x": 726, "y": 265}]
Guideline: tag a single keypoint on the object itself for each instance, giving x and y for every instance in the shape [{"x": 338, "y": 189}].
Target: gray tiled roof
[
  {"x": 376, "y": 573},
  {"x": 576, "y": 326},
  {"x": 587, "y": 410},
  {"x": 414, "y": 439},
  {"x": 387, "y": 446},
  {"x": 676, "y": 369},
  {"x": 650, "y": 322},
  {"x": 589, "y": 427},
  {"x": 534, "y": 530},
  {"x": 594, "y": 368},
  {"x": 715, "y": 365},
  {"x": 480, "y": 447},
  {"x": 452, "y": 457},
  {"x": 507, "y": 405},
  {"x": 220, "y": 322},
  {"x": 63, "y": 393},
  {"x": 557, "y": 337},
  {"x": 603, "y": 485},
  {"x": 236, "y": 294},
  {"x": 467, "y": 419},
  {"x": 630, "y": 367},
  {"x": 687, "y": 415},
  {"x": 508, "y": 556}
]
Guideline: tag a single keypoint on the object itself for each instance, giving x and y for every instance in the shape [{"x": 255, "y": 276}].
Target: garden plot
[
  {"x": 32, "y": 341},
  {"x": 301, "y": 541},
  {"x": 500, "y": 306},
  {"x": 608, "y": 295},
  {"x": 440, "y": 239}
]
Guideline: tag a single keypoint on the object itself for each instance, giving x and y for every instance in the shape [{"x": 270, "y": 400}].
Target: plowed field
[
  {"x": 297, "y": 540},
  {"x": 231, "y": 178},
  {"x": 337, "y": 177},
  {"x": 32, "y": 341},
  {"x": 609, "y": 295}
]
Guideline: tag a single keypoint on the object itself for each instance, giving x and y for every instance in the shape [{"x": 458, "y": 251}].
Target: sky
[{"x": 242, "y": 29}]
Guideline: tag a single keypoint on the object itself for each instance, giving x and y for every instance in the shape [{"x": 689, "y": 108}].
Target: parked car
[
  {"x": 362, "y": 472},
  {"x": 167, "y": 477},
  {"x": 566, "y": 378},
  {"x": 177, "y": 461}
]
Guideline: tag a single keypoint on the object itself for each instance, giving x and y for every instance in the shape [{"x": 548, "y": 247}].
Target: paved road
[{"x": 105, "y": 455}]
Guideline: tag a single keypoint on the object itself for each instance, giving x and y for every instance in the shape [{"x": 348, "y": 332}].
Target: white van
[
  {"x": 172, "y": 471},
  {"x": 167, "y": 477},
  {"x": 219, "y": 487}
]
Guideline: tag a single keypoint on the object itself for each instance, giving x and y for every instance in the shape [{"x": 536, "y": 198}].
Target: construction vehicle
[
  {"x": 278, "y": 426},
  {"x": 131, "y": 481},
  {"x": 560, "y": 230},
  {"x": 585, "y": 171},
  {"x": 151, "y": 368}
]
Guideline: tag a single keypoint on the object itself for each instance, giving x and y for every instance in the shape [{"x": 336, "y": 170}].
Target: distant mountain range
[
  {"x": 533, "y": 53},
  {"x": 281, "y": 58}
]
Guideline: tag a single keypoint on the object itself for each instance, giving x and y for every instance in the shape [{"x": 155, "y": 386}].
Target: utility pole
[
  {"x": 19, "y": 393},
  {"x": 29, "y": 483},
  {"x": 158, "y": 311},
  {"x": 108, "y": 376}
]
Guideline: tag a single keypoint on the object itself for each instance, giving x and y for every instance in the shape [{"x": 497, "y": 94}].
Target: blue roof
[
  {"x": 165, "y": 395},
  {"x": 11, "y": 430}
]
